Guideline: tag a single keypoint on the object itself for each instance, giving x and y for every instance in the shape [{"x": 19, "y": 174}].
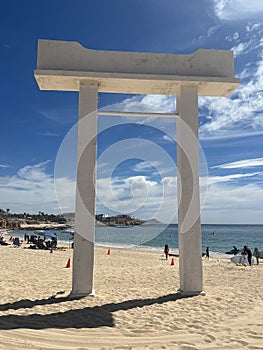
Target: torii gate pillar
[
  {"x": 189, "y": 226},
  {"x": 70, "y": 67},
  {"x": 84, "y": 233}
]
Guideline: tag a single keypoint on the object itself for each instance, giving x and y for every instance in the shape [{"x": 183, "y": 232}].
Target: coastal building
[
  {"x": 102, "y": 217},
  {"x": 119, "y": 220}
]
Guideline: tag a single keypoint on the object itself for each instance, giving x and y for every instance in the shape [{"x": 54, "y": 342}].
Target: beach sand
[{"x": 135, "y": 307}]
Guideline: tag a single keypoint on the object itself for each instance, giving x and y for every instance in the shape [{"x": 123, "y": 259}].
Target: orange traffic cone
[
  {"x": 68, "y": 264},
  {"x": 108, "y": 252},
  {"x": 172, "y": 262}
]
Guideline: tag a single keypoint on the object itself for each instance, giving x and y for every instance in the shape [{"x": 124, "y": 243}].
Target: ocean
[{"x": 219, "y": 238}]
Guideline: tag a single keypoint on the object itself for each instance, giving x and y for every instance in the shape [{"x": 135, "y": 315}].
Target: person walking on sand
[
  {"x": 166, "y": 251},
  {"x": 207, "y": 253},
  {"x": 256, "y": 255}
]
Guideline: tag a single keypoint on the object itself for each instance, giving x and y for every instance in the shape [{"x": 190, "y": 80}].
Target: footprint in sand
[
  {"x": 188, "y": 347},
  {"x": 209, "y": 338},
  {"x": 242, "y": 342}
]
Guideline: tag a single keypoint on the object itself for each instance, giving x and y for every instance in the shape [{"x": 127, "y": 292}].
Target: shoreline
[
  {"x": 129, "y": 247},
  {"x": 220, "y": 240},
  {"x": 65, "y": 244},
  {"x": 216, "y": 256}
]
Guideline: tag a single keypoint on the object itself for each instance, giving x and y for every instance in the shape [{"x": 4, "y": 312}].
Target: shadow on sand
[{"x": 88, "y": 317}]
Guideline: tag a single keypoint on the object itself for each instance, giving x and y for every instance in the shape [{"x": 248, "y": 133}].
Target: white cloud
[
  {"x": 242, "y": 114},
  {"x": 32, "y": 189},
  {"x": 237, "y": 116},
  {"x": 237, "y": 9},
  {"x": 138, "y": 195},
  {"x": 141, "y": 196},
  {"x": 144, "y": 166},
  {"x": 246, "y": 163},
  {"x": 227, "y": 178},
  {"x": 145, "y": 103},
  {"x": 232, "y": 38},
  {"x": 167, "y": 138},
  {"x": 4, "y": 166},
  {"x": 252, "y": 26},
  {"x": 33, "y": 173},
  {"x": 230, "y": 203},
  {"x": 199, "y": 41},
  {"x": 240, "y": 49},
  {"x": 227, "y": 200}
]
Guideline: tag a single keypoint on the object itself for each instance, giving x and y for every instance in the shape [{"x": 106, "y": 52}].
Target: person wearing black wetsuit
[{"x": 249, "y": 254}]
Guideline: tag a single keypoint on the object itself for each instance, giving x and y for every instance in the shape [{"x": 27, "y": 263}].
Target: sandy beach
[{"x": 135, "y": 307}]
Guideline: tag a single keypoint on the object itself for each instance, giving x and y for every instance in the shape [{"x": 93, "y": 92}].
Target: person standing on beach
[
  {"x": 256, "y": 254},
  {"x": 207, "y": 253},
  {"x": 247, "y": 252},
  {"x": 166, "y": 251}
]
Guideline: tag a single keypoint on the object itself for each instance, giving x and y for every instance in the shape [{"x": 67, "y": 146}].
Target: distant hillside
[
  {"x": 153, "y": 222},
  {"x": 71, "y": 216}
]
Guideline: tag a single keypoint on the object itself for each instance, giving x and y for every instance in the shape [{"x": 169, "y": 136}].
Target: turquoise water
[{"x": 219, "y": 238}]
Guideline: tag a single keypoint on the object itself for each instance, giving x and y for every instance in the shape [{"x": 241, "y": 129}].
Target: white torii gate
[{"x": 68, "y": 66}]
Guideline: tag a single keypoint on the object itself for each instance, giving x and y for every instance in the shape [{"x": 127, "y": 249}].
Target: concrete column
[
  {"x": 189, "y": 226},
  {"x": 84, "y": 238}
]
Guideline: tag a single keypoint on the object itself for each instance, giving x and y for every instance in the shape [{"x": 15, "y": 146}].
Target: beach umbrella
[{"x": 49, "y": 234}]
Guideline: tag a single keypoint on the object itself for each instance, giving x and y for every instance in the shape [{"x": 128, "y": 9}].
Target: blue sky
[{"x": 136, "y": 158}]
